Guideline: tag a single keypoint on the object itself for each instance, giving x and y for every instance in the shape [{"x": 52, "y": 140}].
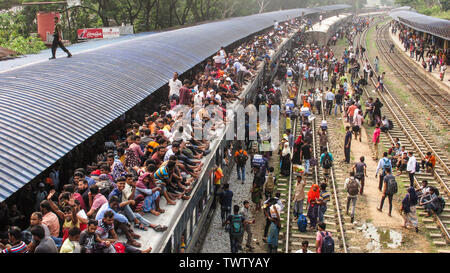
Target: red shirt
[{"x": 185, "y": 96}]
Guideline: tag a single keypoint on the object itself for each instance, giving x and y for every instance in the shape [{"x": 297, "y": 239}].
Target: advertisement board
[
  {"x": 112, "y": 32},
  {"x": 98, "y": 33},
  {"x": 90, "y": 33}
]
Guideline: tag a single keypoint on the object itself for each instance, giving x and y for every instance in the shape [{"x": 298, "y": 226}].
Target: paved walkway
[{"x": 217, "y": 240}]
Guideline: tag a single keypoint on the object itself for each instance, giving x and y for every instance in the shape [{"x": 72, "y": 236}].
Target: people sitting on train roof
[{"x": 160, "y": 157}]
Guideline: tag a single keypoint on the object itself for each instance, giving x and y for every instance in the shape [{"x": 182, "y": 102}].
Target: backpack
[
  {"x": 241, "y": 158},
  {"x": 258, "y": 161},
  {"x": 302, "y": 223},
  {"x": 440, "y": 207},
  {"x": 417, "y": 167},
  {"x": 352, "y": 187},
  {"x": 236, "y": 228},
  {"x": 359, "y": 170},
  {"x": 391, "y": 124},
  {"x": 386, "y": 164},
  {"x": 270, "y": 183},
  {"x": 327, "y": 243},
  {"x": 392, "y": 187},
  {"x": 327, "y": 163}
]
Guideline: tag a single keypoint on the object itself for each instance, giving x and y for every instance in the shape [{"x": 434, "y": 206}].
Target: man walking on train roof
[{"x": 57, "y": 40}]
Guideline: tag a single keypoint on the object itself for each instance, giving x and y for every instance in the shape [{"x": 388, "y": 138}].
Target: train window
[
  {"x": 194, "y": 217},
  {"x": 169, "y": 246},
  {"x": 188, "y": 230},
  {"x": 208, "y": 186},
  {"x": 204, "y": 199},
  {"x": 218, "y": 157}
]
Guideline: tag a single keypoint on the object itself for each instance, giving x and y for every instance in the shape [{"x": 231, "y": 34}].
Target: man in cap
[{"x": 57, "y": 36}]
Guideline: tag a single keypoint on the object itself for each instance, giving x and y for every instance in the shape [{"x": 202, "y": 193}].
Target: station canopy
[{"x": 432, "y": 25}]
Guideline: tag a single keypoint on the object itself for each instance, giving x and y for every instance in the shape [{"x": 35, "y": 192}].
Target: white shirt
[
  {"x": 224, "y": 55},
  {"x": 411, "y": 167},
  {"x": 237, "y": 65},
  {"x": 198, "y": 98},
  {"x": 218, "y": 98},
  {"x": 168, "y": 154},
  {"x": 218, "y": 59},
  {"x": 175, "y": 87},
  {"x": 318, "y": 96}
]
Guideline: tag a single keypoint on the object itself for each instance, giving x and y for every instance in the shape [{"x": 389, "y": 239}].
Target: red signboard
[{"x": 90, "y": 33}]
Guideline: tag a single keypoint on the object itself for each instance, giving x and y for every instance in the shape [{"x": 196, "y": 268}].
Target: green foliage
[
  {"x": 144, "y": 15},
  {"x": 435, "y": 8},
  {"x": 435, "y": 11},
  {"x": 14, "y": 36},
  {"x": 22, "y": 45}
]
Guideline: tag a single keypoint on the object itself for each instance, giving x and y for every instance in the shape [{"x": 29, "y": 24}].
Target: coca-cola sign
[{"x": 90, "y": 33}]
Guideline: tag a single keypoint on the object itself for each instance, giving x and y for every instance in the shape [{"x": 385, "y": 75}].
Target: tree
[{"x": 262, "y": 4}]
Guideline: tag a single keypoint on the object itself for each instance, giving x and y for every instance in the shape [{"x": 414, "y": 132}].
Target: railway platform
[{"x": 434, "y": 76}]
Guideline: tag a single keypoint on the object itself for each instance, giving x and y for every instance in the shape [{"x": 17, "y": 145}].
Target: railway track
[
  {"x": 333, "y": 217},
  {"x": 425, "y": 90},
  {"x": 422, "y": 135},
  {"x": 414, "y": 138}
]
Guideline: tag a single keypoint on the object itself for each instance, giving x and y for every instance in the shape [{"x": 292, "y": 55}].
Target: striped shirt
[
  {"x": 162, "y": 174},
  {"x": 21, "y": 247},
  {"x": 325, "y": 196}
]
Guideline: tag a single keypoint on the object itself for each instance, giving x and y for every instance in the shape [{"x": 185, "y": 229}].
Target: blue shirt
[
  {"x": 227, "y": 197},
  {"x": 329, "y": 96},
  {"x": 90, "y": 181},
  {"x": 323, "y": 156},
  {"x": 117, "y": 193},
  {"x": 101, "y": 212}
]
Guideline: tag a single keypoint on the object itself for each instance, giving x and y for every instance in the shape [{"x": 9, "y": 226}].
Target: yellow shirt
[
  {"x": 67, "y": 247},
  {"x": 70, "y": 224},
  {"x": 288, "y": 123},
  {"x": 218, "y": 176},
  {"x": 122, "y": 159}
]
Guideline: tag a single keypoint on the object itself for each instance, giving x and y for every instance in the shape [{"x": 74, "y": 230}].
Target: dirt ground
[
  {"x": 367, "y": 207},
  {"x": 366, "y": 213}
]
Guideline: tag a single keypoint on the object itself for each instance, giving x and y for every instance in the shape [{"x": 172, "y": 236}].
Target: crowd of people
[
  {"x": 422, "y": 48},
  {"x": 155, "y": 164}
]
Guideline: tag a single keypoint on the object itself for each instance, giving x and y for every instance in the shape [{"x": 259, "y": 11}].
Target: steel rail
[
  {"x": 439, "y": 222},
  {"x": 288, "y": 218},
  {"x": 416, "y": 87},
  {"x": 415, "y": 129},
  {"x": 335, "y": 190}
]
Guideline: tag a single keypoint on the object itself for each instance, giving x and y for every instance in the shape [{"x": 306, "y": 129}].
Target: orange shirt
[
  {"x": 351, "y": 110},
  {"x": 153, "y": 128},
  {"x": 431, "y": 159}
]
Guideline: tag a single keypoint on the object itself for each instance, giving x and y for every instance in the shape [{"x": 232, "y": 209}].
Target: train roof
[
  {"x": 49, "y": 108},
  {"x": 432, "y": 25}
]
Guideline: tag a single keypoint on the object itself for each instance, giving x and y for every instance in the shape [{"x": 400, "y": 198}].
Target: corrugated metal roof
[
  {"x": 47, "y": 109},
  {"x": 432, "y": 25}
]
